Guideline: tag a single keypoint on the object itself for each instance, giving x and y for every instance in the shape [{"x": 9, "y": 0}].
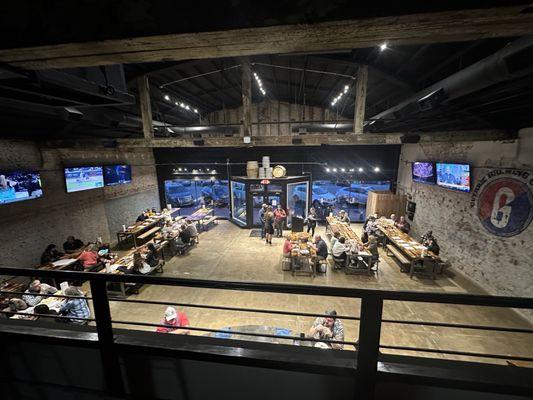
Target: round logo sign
[{"x": 505, "y": 206}]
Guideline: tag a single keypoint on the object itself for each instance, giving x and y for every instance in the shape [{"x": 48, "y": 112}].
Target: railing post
[
  {"x": 104, "y": 327},
  {"x": 369, "y": 338}
]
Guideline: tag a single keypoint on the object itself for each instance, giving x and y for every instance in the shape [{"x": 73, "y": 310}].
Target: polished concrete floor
[{"x": 228, "y": 253}]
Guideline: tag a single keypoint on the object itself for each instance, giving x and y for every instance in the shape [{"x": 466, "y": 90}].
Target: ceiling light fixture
[
  {"x": 259, "y": 83},
  {"x": 339, "y": 96},
  {"x": 167, "y": 97},
  {"x": 181, "y": 104},
  {"x": 376, "y": 169},
  {"x": 383, "y": 46},
  {"x": 360, "y": 169}
]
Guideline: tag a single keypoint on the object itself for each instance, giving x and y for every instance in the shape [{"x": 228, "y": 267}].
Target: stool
[{"x": 286, "y": 263}]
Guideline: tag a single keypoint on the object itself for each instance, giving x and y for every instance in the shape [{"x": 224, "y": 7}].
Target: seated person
[
  {"x": 72, "y": 245},
  {"x": 43, "y": 309},
  {"x": 433, "y": 246},
  {"x": 403, "y": 225},
  {"x": 167, "y": 230},
  {"x": 321, "y": 248},
  {"x": 143, "y": 216},
  {"x": 51, "y": 254},
  {"x": 340, "y": 250},
  {"x": 426, "y": 237},
  {"x": 76, "y": 307},
  {"x": 139, "y": 265},
  {"x": 173, "y": 320},
  {"x": 191, "y": 227},
  {"x": 13, "y": 305},
  {"x": 151, "y": 257},
  {"x": 393, "y": 218},
  {"x": 343, "y": 217},
  {"x": 31, "y": 296},
  {"x": 185, "y": 235},
  {"x": 287, "y": 246},
  {"x": 328, "y": 328},
  {"x": 372, "y": 247},
  {"x": 334, "y": 238},
  {"x": 89, "y": 259}
]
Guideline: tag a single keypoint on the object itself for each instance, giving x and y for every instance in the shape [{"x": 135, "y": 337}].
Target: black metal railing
[{"x": 370, "y": 318}]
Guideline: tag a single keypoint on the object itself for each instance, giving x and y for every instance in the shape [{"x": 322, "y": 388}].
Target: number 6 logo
[{"x": 501, "y": 213}]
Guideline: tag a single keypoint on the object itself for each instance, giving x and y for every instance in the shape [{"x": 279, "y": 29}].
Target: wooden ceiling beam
[{"x": 448, "y": 26}]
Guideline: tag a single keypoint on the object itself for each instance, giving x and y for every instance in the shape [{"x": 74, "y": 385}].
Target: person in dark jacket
[{"x": 51, "y": 254}]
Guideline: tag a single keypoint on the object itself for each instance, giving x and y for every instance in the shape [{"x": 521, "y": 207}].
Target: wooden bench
[
  {"x": 393, "y": 251},
  {"x": 206, "y": 222},
  {"x": 149, "y": 233}
]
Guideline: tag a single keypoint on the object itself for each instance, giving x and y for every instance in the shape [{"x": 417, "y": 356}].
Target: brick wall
[
  {"x": 28, "y": 227},
  {"x": 500, "y": 265}
]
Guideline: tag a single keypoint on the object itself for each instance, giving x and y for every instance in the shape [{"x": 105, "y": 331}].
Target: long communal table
[
  {"x": 333, "y": 225},
  {"x": 411, "y": 249},
  {"x": 133, "y": 232}
]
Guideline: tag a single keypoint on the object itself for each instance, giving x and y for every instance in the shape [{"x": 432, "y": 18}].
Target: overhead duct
[
  {"x": 511, "y": 62},
  {"x": 321, "y": 127}
]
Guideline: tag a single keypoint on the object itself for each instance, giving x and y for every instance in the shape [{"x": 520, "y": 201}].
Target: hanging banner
[{"x": 504, "y": 201}]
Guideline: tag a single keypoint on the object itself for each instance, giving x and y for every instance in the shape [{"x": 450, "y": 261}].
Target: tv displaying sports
[
  {"x": 424, "y": 172},
  {"x": 454, "y": 176},
  {"x": 19, "y": 186},
  {"x": 117, "y": 174},
  {"x": 83, "y": 178}
]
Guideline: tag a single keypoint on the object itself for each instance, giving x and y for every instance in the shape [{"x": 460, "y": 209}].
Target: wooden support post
[
  {"x": 146, "y": 108},
  {"x": 360, "y": 99},
  {"x": 246, "y": 98}
]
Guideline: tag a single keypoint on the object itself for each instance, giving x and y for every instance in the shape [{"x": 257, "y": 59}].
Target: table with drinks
[
  {"x": 357, "y": 247},
  {"x": 413, "y": 251},
  {"x": 135, "y": 231}
]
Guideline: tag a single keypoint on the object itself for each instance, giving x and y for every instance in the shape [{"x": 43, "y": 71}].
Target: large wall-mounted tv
[
  {"x": 117, "y": 174},
  {"x": 83, "y": 178},
  {"x": 454, "y": 176},
  {"x": 19, "y": 186},
  {"x": 424, "y": 172}
]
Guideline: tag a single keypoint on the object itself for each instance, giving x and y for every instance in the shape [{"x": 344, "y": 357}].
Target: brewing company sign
[{"x": 503, "y": 201}]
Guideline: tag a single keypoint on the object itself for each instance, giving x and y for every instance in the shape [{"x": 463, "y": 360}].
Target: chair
[
  {"x": 338, "y": 263},
  {"x": 286, "y": 263}
]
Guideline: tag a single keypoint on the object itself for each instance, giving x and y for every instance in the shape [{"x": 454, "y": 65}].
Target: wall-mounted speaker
[
  {"x": 297, "y": 141},
  {"x": 198, "y": 142}
]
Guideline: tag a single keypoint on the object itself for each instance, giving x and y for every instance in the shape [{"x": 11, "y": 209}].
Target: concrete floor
[{"x": 227, "y": 252}]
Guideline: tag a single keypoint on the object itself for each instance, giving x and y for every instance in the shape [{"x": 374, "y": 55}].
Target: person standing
[
  {"x": 269, "y": 225},
  {"x": 343, "y": 217},
  {"x": 311, "y": 221},
  {"x": 279, "y": 220},
  {"x": 262, "y": 219}
]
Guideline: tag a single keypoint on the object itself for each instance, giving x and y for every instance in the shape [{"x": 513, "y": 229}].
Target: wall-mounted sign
[
  {"x": 265, "y": 182},
  {"x": 504, "y": 201}
]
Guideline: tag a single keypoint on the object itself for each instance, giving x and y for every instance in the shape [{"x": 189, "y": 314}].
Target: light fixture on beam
[
  {"x": 383, "y": 46},
  {"x": 376, "y": 169},
  {"x": 360, "y": 169},
  {"x": 339, "y": 96},
  {"x": 259, "y": 83},
  {"x": 181, "y": 104}
]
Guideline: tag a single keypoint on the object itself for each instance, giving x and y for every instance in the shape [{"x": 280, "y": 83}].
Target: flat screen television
[
  {"x": 424, "y": 172},
  {"x": 117, "y": 174},
  {"x": 454, "y": 176},
  {"x": 83, "y": 178},
  {"x": 19, "y": 186}
]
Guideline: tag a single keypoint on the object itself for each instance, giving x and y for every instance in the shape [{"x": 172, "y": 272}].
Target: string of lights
[
  {"x": 339, "y": 96},
  {"x": 181, "y": 104},
  {"x": 360, "y": 169},
  {"x": 259, "y": 83}
]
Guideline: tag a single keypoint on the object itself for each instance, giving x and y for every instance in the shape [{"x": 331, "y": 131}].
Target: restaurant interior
[{"x": 347, "y": 213}]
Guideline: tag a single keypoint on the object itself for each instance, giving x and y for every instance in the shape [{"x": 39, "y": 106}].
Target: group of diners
[
  {"x": 36, "y": 302},
  {"x": 179, "y": 234},
  {"x": 327, "y": 330},
  {"x": 146, "y": 214},
  {"x": 319, "y": 246}
]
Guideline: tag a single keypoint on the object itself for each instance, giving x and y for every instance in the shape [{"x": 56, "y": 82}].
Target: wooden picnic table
[{"x": 136, "y": 230}]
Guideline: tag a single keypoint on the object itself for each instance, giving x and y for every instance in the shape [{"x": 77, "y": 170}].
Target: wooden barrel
[
  {"x": 279, "y": 171},
  {"x": 252, "y": 169}
]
